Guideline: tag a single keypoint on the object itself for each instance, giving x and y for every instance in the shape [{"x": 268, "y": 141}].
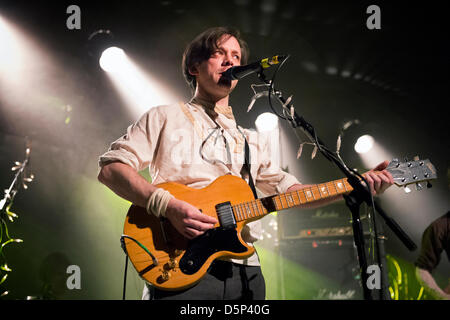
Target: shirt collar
[{"x": 213, "y": 109}]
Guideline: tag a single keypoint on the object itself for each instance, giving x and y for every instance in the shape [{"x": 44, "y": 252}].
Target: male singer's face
[{"x": 209, "y": 72}]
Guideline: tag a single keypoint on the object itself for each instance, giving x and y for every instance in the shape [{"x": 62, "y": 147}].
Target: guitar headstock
[{"x": 412, "y": 171}]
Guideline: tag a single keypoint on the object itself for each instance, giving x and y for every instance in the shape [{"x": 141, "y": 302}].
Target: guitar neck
[
  {"x": 403, "y": 173},
  {"x": 258, "y": 208}
]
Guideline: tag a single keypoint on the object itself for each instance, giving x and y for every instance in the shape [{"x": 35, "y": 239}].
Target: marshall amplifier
[
  {"x": 325, "y": 269},
  {"x": 317, "y": 254},
  {"x": 330, "y": 221}
]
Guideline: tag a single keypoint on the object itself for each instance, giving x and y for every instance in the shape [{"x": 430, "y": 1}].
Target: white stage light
[
  {"x": 12, "y": 50},
  {"x": 112, "y": 60},
  {"x": 364, "y": 144},
  {"x": 139, "y": 90},
  {"x": 266, "y": 122}
]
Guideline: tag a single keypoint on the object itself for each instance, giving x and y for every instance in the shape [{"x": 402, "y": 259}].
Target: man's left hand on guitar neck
[{"x": 379, "y": 179}]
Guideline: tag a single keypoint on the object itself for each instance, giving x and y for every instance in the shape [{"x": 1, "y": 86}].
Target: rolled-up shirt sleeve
[{"x": 137, "y": 146}]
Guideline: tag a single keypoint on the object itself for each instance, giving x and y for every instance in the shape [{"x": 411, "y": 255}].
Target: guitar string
[{"x": 250, "y": 209}]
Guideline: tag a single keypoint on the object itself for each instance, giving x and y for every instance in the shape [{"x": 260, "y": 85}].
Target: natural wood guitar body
[{"x": 168, "y": 246}]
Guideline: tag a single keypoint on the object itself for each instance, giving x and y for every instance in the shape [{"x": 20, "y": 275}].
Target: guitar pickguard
[{"x": 202, "y": 247}]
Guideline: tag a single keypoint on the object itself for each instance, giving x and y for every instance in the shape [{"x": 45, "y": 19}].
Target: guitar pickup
[{"x": 225, "y": 214}]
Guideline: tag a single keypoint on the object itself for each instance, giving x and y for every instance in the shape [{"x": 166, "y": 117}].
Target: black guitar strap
[{"x": 247, "y": 167}]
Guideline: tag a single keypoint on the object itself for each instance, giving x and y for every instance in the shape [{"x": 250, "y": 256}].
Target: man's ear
[{"x": 193, "y": 70}]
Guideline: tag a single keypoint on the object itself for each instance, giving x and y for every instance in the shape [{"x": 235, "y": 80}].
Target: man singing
[{"x": 194, "y": 143}]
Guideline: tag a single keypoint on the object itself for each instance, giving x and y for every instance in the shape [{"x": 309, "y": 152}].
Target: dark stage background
[{"x": 394, "y": 80}]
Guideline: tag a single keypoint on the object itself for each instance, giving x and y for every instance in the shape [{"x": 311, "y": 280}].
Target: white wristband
[{"x": 158, "y": 201}]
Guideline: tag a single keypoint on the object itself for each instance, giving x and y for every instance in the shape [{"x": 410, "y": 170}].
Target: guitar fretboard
[{"x": 260, "y": 207}]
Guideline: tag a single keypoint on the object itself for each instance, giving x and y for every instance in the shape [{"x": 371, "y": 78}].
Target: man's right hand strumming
[{"x": 187, "y": 219}]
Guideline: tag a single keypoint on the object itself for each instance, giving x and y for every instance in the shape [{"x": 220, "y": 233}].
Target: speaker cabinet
[
  {"x": 324, "y": 269},
  {"x": 318, "y": 257}
]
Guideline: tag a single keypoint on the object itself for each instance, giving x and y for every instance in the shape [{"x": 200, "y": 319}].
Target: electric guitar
[{"x": 169, "y": 261}]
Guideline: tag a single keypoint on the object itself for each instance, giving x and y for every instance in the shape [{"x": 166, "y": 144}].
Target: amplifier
[
  {"x": 313, "y": 233},
  {"x": 333, "y": 221},
  {"x": 320, "y": 269}
]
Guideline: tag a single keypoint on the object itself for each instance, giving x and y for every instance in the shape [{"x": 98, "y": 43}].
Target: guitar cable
[
  {"x": 125, "y": 277},
  {"x": 122, "y": 244}
]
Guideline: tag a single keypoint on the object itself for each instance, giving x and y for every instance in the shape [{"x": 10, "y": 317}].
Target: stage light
[
  {"x": 266, "y": 122},
  {"x": 138, "y": 89},
  {"x": 364, "y": 144},
  {"x": 310, "y": 66},
  {"x": 346, "y": 73},
  {"x": 24, "y": 63},
  {"x": 331, "y": 70},
  {"x": 112, "y": 59},
  {"x": 11, "y": 53}
]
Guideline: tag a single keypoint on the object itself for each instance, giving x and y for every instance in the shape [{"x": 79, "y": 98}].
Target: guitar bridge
[{"x": 226, "y": 216}]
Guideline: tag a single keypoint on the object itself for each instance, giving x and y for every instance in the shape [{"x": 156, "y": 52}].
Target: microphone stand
[{"x": 353, "y": 200}]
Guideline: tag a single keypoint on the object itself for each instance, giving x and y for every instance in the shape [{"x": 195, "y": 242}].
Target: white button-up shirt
[{"x": 195, "y": 143}]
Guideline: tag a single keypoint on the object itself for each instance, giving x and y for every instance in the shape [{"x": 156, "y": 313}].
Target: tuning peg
[
  {"x": 418, "y": 186},
  {"x": 395, "y": 162},
  {"x": 429, "y": 185},
  {"x": 408, "y": 162}
]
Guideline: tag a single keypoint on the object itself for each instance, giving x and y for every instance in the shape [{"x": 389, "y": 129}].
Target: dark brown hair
[{"x": 201, "y": 48}]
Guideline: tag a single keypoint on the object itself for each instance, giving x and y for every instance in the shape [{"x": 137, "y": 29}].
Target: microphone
[{"x": 239, "y": 72}]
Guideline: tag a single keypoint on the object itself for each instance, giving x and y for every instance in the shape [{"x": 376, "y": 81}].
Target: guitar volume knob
[
  {"x": 165, "y": 275},
  {"x": 172, "y": 263}
]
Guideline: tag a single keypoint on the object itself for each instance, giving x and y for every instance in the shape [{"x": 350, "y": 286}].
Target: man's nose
[{"x": 228, "y": 60}]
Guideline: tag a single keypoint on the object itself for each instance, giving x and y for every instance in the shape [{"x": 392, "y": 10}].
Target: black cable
[
  {"x": 122, "y": 243},
  {"x": 271, "y": 88},
  {"x": 321, "y": 147},
  {"x": 378, "y": 250},
  {"x": 155, "y": 261},
  {"x": 377, "y": 243},
  {"x": 125, "y": 277}
]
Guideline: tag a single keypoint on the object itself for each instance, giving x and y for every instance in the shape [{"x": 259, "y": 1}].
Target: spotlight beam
[{"x": 139, "y": 91}]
